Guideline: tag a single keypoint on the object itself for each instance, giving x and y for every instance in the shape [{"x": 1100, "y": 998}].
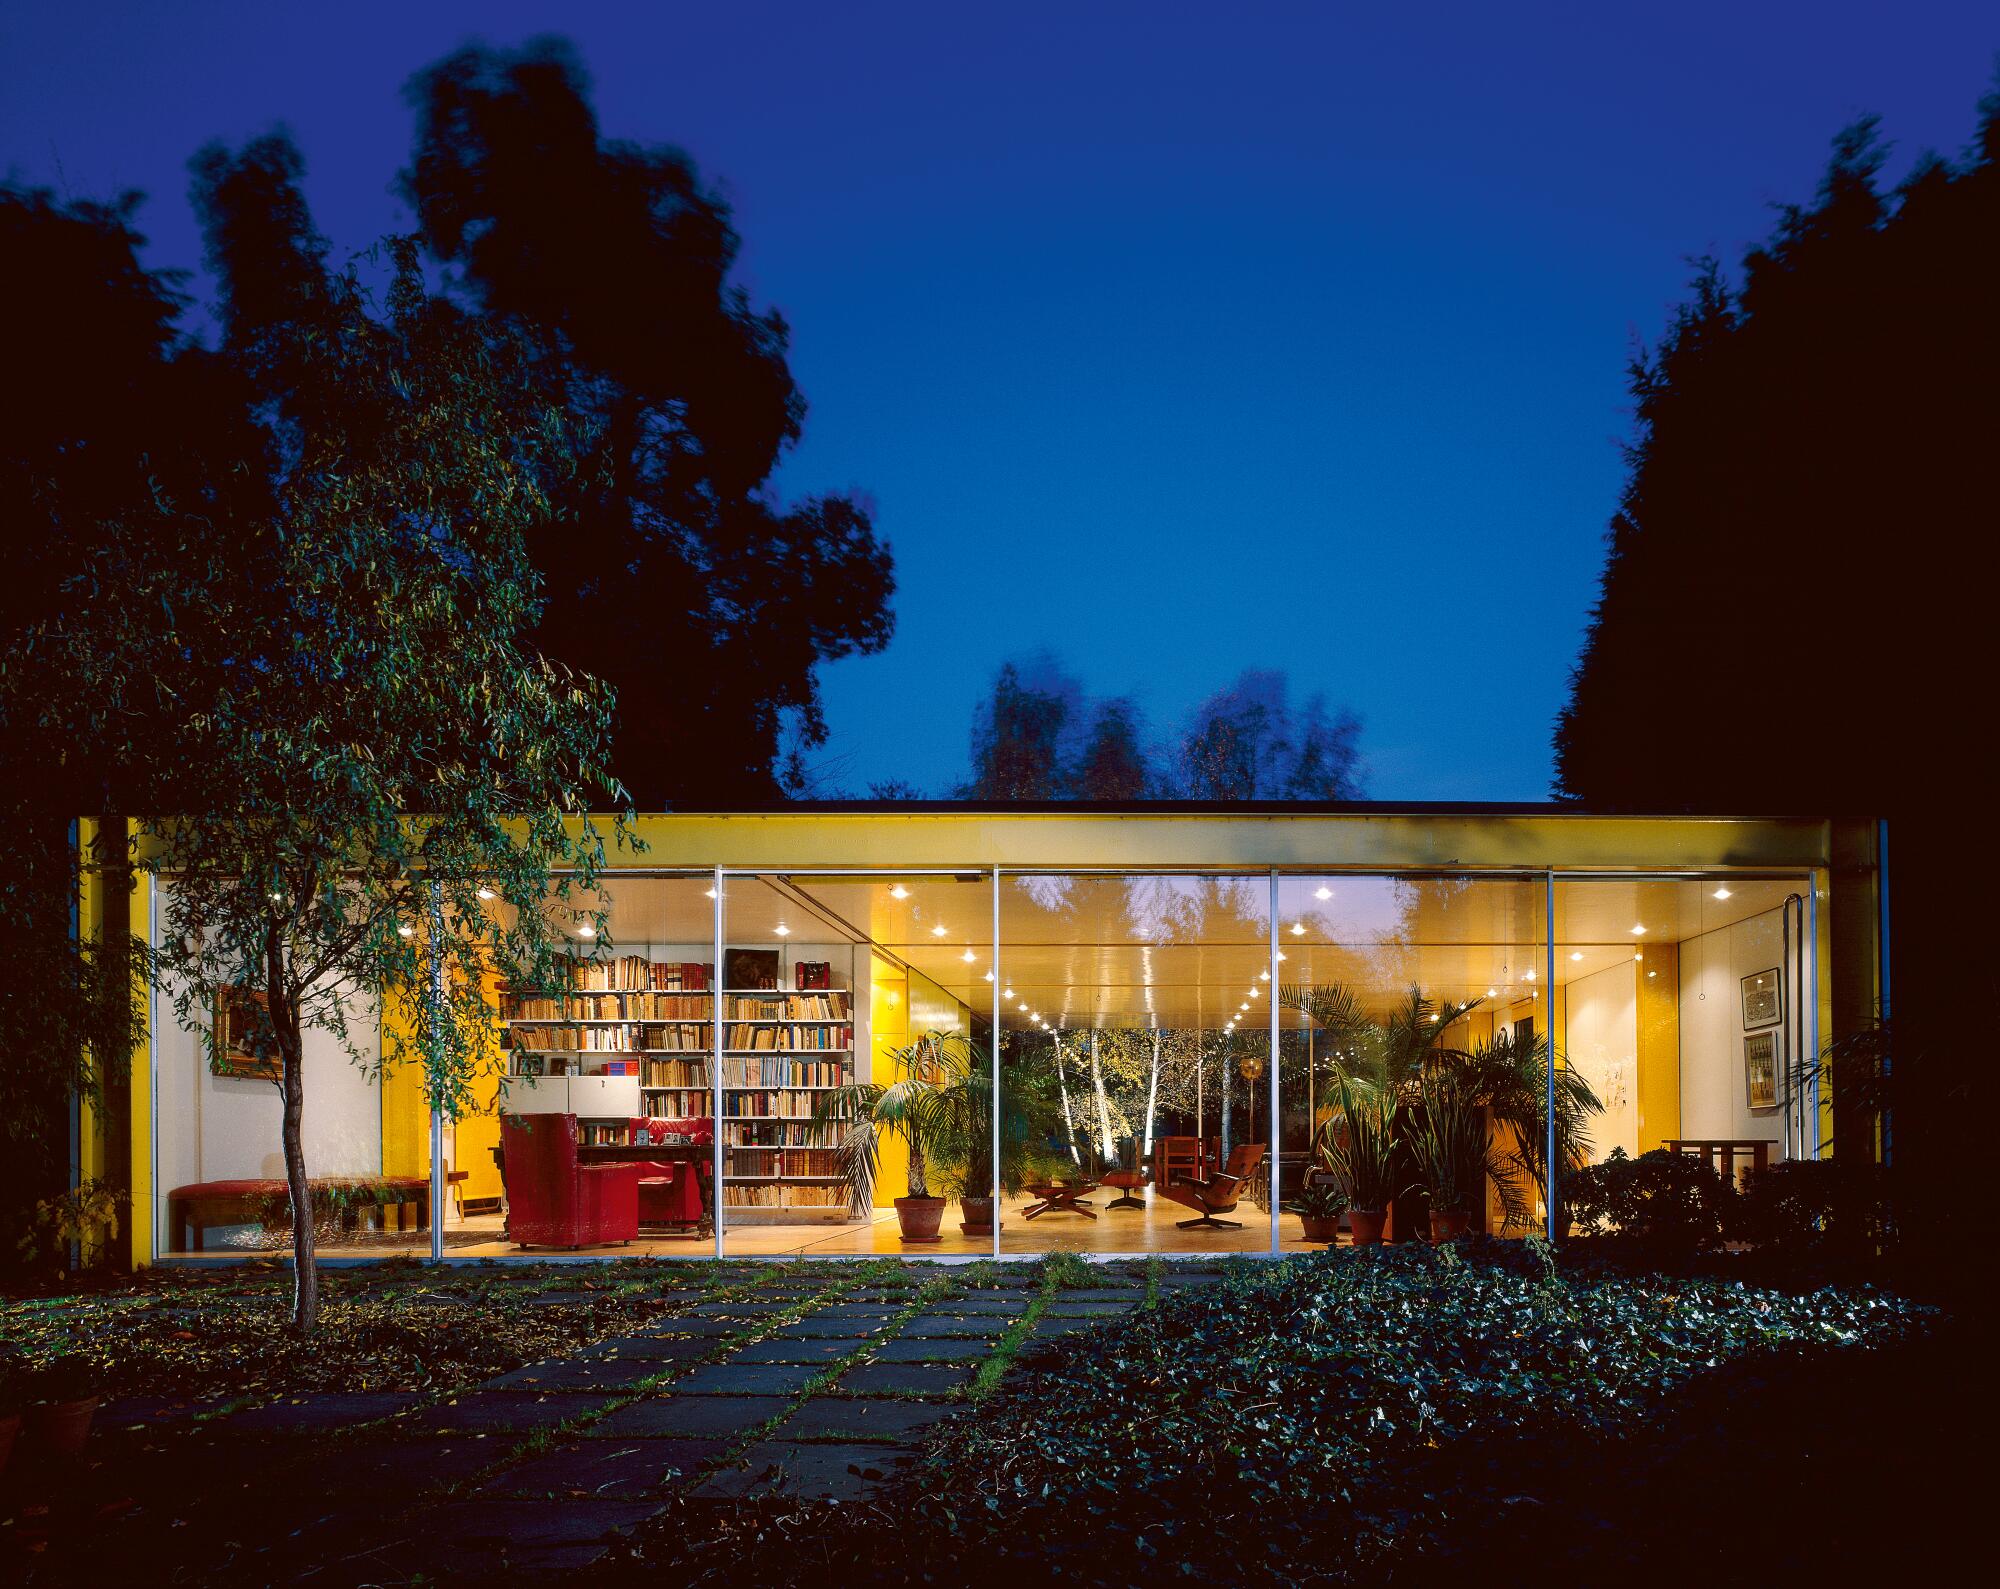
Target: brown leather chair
[{"x": 1220, "y": 1193}]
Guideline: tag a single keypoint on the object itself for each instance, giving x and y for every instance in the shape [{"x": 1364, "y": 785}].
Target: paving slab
[
  {"x": 654, "y": 1349},
  {"x": 705, "y": 1328},
  {"x": 856, "y": 1310},
  {"x": 565, "y": 1299},
  {"x": 495, "y": 1536},
  {"x": 736, "y": 1378},
  {"x": 757, "y": 1308},
  {"x": 609, "y": 1469},
  {"x": 815, "y": 1472},
  {"x": 819, "y": 1327},
  {"x": 935, "y": 1349},
  {"x": 321, "y": 1413},
  {"x": 131, "y": 1412},
  {"x": 486, "y": 1410},
  {"x": 1088, "y": 1310},
  {"x": 982, "y": 1326},
  {"x": 381, "y": 1465},
  {"x": 1102, "y": 1294},
  {"x": 828, "y": 1417},
  {"x": 608, "y": 1374},
  {"x": 799, "y": 1349},
  {"x": 709, "y": 1416},
  {"x": 988, "y": 1307},
  {"x": 904, "y": 1379},
  {"x": 1047, "y": 1328}
]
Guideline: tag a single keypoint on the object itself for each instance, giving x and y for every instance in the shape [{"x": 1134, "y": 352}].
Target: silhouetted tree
[
  {"x": 1112, "y": 763},
  {"x": 671, "y": 572},
  {"x": 1793, "y": 610},
  {"x": 1247, "y": 743},
  {"x": 1019, "y": 735}
]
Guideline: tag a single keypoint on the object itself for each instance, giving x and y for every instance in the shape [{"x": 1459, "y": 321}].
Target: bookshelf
[{"x": 635, "y": 1037}]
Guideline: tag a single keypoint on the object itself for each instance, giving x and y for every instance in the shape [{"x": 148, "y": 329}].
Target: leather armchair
[{"x": 553, "y": 1200}]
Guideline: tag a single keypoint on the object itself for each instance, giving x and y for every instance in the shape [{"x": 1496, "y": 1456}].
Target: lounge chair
[{"x": 1219, "y": 1193}]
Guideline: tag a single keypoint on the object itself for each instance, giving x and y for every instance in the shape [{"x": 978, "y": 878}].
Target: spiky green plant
[
  {"x": 1452, "y": 1151},
  {"x": 1365, "y": 1154}
]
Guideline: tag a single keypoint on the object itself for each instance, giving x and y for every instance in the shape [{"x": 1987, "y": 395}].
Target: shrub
[
  {"x": 1814, "y": 1208},
  {"x": 1666, "y": 1204}
]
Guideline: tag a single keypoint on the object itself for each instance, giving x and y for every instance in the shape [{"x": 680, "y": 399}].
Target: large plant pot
[
  {"x": 1365, "y": 1225},
  {"x": 1325, "y": 1230},
  {"x": 61, "y": 1427},
  {"x": 920, "y": 1217},
  {"x": 978, "y": 1212},
  {"x": 1452, "y": 1226}
]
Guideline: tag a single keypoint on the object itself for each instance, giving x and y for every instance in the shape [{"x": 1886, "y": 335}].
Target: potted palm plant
[
  {"x": 1363, "y": 1148},
  {"x": 1452, "y": 1153},
  {"x": 1319, "y": 1205},
  {"x": 925, "y": 1105}
]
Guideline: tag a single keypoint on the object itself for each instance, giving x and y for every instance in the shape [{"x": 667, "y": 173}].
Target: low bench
[{"x": 194, "y": 1208}]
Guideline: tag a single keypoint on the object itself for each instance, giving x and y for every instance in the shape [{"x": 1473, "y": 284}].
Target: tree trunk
[{"x": 291, "y": 1053}]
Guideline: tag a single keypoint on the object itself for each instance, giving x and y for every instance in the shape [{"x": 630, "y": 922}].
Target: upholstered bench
[{"x": 192, "y": 1209}]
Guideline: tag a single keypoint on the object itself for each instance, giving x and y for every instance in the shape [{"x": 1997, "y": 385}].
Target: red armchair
[
  {"x": 671, "y": 1193},
  {"x": 555, "y": 1201}
]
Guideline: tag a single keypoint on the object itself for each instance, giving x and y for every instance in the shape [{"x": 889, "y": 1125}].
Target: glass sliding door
[
  {"x": 1387, "y": 982},
  {"x": 1687, "y": 1010},
  {"x": 1135, "y": 1061},
  {"x": 855, "y": 1060}
]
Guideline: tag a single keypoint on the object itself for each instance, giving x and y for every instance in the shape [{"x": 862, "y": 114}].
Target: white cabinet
[{"x": 586, "y": 1097}]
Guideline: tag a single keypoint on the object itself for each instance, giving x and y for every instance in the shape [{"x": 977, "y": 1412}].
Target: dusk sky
[{"x": 1175, "y": 339}]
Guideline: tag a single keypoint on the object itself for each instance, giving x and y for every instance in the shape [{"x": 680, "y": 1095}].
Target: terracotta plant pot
[
  {"x": 920, "y": 1217},
  {"x": 1325, "y": 1230},
  {"x": 978, "y": 1212},
  {"x": 10, "y": 1427},
  {"x": 61, "y": 1427},
  {"x": 1365, "y": 1225},
  {"x": 1451, "y": 1226}
]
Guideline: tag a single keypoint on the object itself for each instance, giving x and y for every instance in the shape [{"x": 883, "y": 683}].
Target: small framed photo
[
  {"x": 1760, "y": 1069},
  {"x": 245, "y": 1045},
  {"x": 1764, "y": 998}
]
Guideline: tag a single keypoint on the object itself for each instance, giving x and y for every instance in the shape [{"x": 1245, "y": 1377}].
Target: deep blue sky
[{"x": 1174, "y": 338}]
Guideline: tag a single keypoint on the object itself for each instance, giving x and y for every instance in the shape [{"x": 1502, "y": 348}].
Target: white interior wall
[
  {"x": 1602, "y": 1044},
  {"x": 1714, "y": 1094}
]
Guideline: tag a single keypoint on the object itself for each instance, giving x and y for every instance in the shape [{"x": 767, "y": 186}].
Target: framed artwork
[
  {"x": 1760, "y": 1069},
  {"x": 244, "y": 1043},
  {"x": 1764, "y": 998}
]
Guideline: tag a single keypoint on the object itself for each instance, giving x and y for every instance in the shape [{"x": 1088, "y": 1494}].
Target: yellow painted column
[
  {"x": 145, "y": 1242},
  {"x": 406, "y": 1114},
  {"x": 1657, "y": 1060},
  {"x": 888, "y": 1030}
]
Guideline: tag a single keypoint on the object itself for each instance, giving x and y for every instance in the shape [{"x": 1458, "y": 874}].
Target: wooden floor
[{"x": 1116, "y": 1232}]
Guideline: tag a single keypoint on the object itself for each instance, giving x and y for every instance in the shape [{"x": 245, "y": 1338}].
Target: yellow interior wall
[
  {"x": 139, "y": 915},
  {"x": 406, "y": 1116},
  {"x": 888, "y": 1029},
  {"x": 477, "y": 1132},
  {"x": 1657, "y": 1086}
]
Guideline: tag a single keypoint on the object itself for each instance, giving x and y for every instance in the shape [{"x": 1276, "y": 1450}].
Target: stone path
[{"x": 821, "y": 1391}]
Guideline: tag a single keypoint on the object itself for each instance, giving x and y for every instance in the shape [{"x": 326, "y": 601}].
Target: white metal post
[
  {"x": 437, "y": 1039},
  {"x": 994, "y": 1097},
  {"x": 1549, "y": 1026},
  {"x": 715, "y": 1060},
  {"x": 1274, "y": 1132}
]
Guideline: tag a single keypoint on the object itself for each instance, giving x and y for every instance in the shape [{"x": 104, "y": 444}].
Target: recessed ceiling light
[
  {"x": 1281, "y": 957},
  {"x": 484, "y": 893},
  {"x": 1263, "y": 976},
  {"x": 708, "y": 893},
  {"x": 1638, "y": 927},
  {"x": 1022, "y": 1005},
  {"x": 1640, "y": 955},
  {"x": 1298, "y": 929},
  {"x": 899, "y": 892},
  {"x": 1527, "y": 976},
  {"x": 988, "y": 977},
  {"x": 1242, "y": 1009},
  {"x": 1722, "y": 893},
  {"x": 1322, "y": 892},
  {"x": 407, "y": 931},
  {"x": 1255, "y": 991},
  {"x": 939, "y": 931},
  {"x": 782, "y": 930},
  {"x": 275, "y": 896},
  {"x": 1576, "y": 954},
  {"x": 1006, "y": 993},
  {"x": 1652, "y": 973},
  {"x": 968, "y": 957},
  {"x": 585, "y": 930},
  {"x": 1491, "y": 993}
]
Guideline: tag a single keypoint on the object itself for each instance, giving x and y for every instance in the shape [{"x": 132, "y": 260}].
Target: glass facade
[{"x": 806, "y": 1060}]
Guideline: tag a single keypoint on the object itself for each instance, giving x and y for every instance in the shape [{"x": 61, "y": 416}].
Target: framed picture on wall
[
  {"x": 1764, "y": 998},
  {"x": 1760, "y": 1069},
  {"x": 244, "y": 1043}
]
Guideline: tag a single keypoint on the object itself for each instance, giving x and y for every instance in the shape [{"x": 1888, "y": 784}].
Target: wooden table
[{"x": 1062, "y": 1197}]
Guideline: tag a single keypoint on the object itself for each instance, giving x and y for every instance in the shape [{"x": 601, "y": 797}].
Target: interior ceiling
[{"x": 1182, "y": 951}]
